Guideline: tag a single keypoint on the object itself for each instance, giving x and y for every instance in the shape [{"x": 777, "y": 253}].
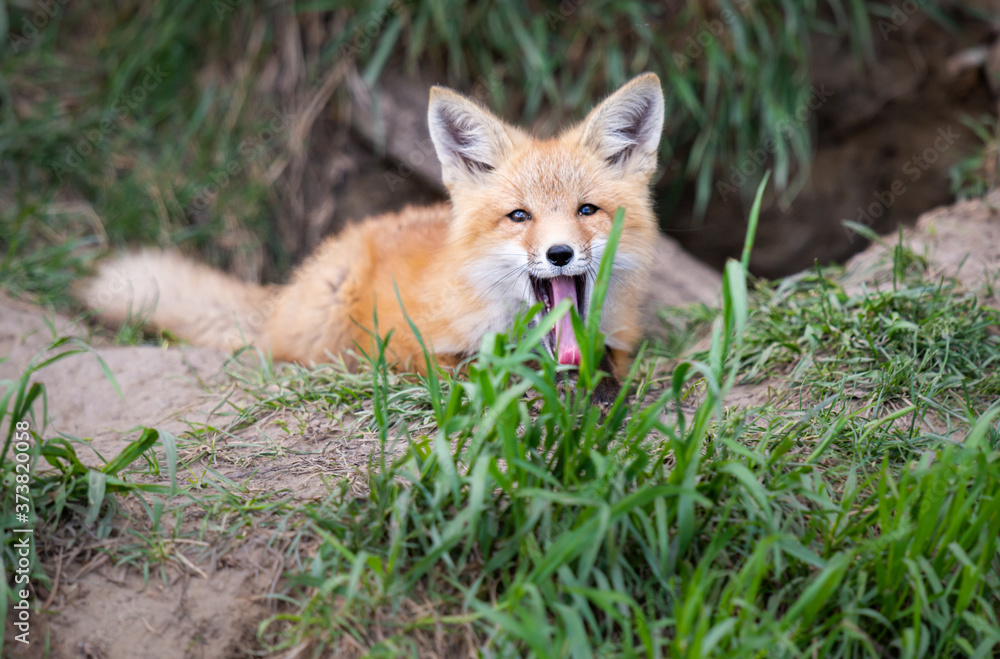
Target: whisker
[{"x": 516, "y": 272}]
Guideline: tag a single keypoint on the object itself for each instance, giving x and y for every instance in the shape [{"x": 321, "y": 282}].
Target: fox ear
[
  {"x": 625, "y": 129},
  {"x": 470, "y": 142}
]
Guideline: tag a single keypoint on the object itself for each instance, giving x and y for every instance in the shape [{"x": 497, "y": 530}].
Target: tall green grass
[
  {"x": 736, "y": 73},
  {"x": 114, "y": 138},
  {"x": 522, "y": 519},
  {"x": 528, "y": 523},
  {"x": 978, "y": 173},
  {"x": 90, "y": 154}
]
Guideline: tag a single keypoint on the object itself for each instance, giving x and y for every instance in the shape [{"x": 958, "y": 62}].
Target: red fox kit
[{"x": 528, "y": 222}]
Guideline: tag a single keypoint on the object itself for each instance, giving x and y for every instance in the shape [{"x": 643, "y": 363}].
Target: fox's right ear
[{"x": 470, "y": 142}]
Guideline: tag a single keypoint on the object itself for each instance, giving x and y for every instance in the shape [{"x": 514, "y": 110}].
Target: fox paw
[{"x": 606, "y": 392}]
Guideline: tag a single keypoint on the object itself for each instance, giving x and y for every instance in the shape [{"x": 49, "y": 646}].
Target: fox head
[{"x": 531, "y": 216}]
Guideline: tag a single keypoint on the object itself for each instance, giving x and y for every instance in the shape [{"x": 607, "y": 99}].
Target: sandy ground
[{"x": 210, "y": 603}]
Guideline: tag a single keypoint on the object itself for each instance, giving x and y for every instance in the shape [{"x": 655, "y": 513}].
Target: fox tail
[{"x": 167, "y": 291}]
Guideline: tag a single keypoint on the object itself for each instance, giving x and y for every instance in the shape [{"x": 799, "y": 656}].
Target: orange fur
[{"x": 461, "y": 269}]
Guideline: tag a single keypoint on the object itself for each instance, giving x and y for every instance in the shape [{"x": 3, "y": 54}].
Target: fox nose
[{"x": 559, "y": 255}]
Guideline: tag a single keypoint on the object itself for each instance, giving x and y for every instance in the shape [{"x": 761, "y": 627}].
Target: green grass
[
  {"x": 856, "y": 516},
  {"x": 517, "y": 518},
  {"x": 52, "y": 482},
  {"x": 926, "y": 347},
  {"x": 111, "y": 140},
  {"x": 39, "y": 264},
  {"x": 975, "y": 175},
  {"x": 544, "y": 528},
  {"x": 537, "y": 526},
  {"x": 736, "y": 74},
  {"x": 97, "y": 151}
]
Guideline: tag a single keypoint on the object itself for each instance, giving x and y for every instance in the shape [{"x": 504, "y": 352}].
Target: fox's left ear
[{"x": 625, "y": 129}]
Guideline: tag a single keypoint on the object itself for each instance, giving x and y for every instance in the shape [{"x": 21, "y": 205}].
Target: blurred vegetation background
[{"x": 244, "y": 131}]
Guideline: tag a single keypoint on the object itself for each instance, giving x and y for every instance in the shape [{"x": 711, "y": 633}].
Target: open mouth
[{"x": 552, "y": 291}]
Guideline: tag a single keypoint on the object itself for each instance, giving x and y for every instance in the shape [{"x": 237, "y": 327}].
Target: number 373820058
[{"x": 22, "y": 467}]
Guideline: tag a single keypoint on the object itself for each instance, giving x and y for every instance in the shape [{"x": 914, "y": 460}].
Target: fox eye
[
  {"x": 519, "y": 215},
  {"x": 588, "y": 209}
]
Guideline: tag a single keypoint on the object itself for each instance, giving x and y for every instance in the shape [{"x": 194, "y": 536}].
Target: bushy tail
[{"x": 194, "y": 302}]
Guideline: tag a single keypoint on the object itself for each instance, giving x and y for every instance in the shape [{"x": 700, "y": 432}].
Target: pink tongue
[{"x": 566, "y": 346}]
